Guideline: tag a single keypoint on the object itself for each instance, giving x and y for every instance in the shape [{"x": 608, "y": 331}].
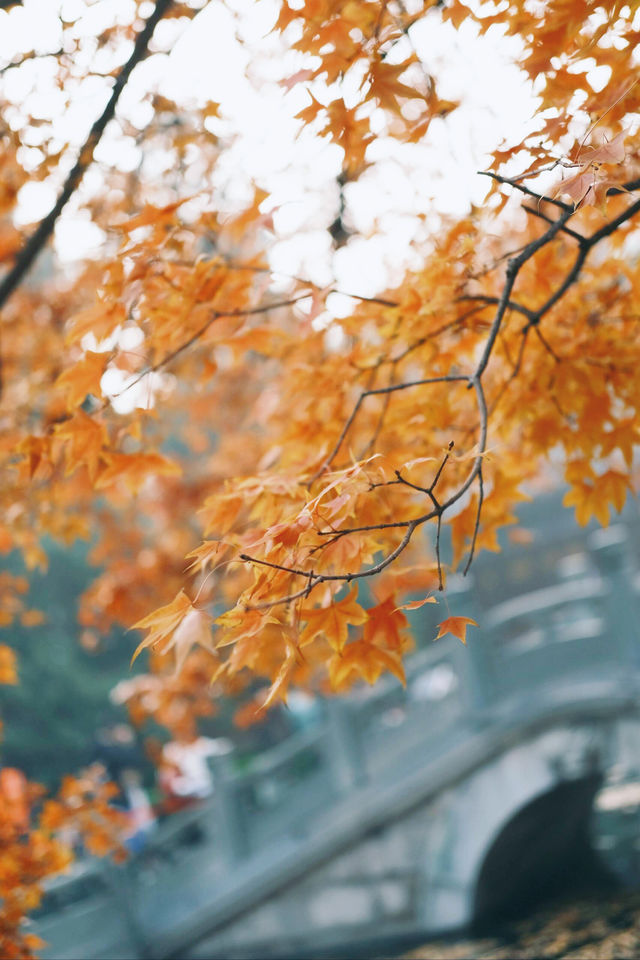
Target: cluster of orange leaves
[
  {"x": 215, "y": 324},
  {"x": 265, "y": 470},
  {"x": 32, "y": 847}
]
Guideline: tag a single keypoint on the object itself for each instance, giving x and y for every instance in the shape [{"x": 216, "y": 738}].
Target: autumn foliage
[{"x": 269, "y": 483}]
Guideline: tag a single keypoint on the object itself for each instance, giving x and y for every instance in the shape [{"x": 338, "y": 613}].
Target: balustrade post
[
  {"x": 121, "y": 882},
  {"x": 610, "y": 548},
  {"x": 230, "y": 832},
  {"x": 346, "y": 751},
  {"x": 474, "y": 662}
]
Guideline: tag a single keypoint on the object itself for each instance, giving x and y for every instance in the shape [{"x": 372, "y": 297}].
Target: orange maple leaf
[
  {"x": 386, "y": 86},
  {"x": 207, "y": 553},
  {"x": 456, "y": 626},
  {"x": 86, "y": 440},
  {"x": 587, "y": 187},
  {"x": 611, "y": 151},
  {"x": 333, "y": 621},
  {"x": 368, "y": 660},
  {"x": 386, "y": 624},
  {"x": 135, "y": 468},
  {"x": 416, "y": 604},
  {"x": 595, "y": 496},
  {"x": 83, "y": 378},
  {"x": 194, "y": 630},
  {"x": 279, "y": 687},
  {"x": 162, "y": 623}
]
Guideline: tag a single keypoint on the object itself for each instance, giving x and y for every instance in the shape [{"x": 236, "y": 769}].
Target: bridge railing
[
  {"x": 276, "y": 796},
  {"x": 582, "y": 628},
  {"x": 392, "y": 725}
]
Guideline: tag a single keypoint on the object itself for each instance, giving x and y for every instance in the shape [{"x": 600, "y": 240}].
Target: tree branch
[
  {"x": 503, "y": 303},
  {"x": 521, "y": 187},
  {"x": 317, "y": 578},
  {"x": 216, "y": 315},
  {"x": 569, "y": 232},
  {"x": 43, "y": 231},
  {"x": 494, "y": 301},
  {"x": 393, "y": 388}
]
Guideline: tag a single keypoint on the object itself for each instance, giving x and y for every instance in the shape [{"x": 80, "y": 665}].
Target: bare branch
[
  {"x": 327, "y": 577},
  {"x": 569, "y": 232},
  {"x": 494, "y": 301},
  {"x": 530, "y": 193},
  {"x": 392, "y": 388},
  {"x": 513, "y": 268},
  {"x": 374, "y": 526},
  {"x": 545, "y": 343},
  {"x": 43, "y": 231},
  {"x": 216, "y": 315},
  {"x": 476, "y": 527}
]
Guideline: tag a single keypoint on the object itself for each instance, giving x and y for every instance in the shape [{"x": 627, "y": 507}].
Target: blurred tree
[
  {"x": 240, "y": 458},
  {"x": 53, "y": 714}
]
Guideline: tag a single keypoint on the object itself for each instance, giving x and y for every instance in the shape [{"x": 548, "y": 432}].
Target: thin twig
[
  {"x": 216, "y": 315},
  {"x": 43, "y": 231},
  {"x": 570, "y": 233},
  {"x": 545, "y": 343},
  {"x": 476, "y": 526},
  {"x": 530, "y": 193},
  {"x": 438, "y": 559},
  {"x": 254, "y": 268},
  {"x": 494, "y": 301},
  {"x": 392, "y": 388}
]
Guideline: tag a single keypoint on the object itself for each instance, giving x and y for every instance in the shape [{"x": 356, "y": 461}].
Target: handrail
[
  {"x": 280, "y": 754},
  {"x": 173, "y": 825},
  {"x": 415, "y": 664},
  {"x": 543, "y": 599}
]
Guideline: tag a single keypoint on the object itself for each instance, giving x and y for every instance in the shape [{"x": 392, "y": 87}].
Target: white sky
[{"x": 207, "y": 62}]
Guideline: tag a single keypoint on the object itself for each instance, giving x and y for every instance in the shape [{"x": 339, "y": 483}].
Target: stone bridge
[{"x": 406, "y": 813}]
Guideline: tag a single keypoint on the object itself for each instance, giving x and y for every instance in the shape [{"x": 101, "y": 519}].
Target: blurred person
[
  {"x": 141, "y": 818},
  {"x": 117, "y": 748},
  {"x": 15, "y": 806},
  {"x": 187, "y": 775}
]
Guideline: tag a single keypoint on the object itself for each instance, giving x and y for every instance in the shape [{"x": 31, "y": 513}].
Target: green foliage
[{"x": 62, "y": 697}]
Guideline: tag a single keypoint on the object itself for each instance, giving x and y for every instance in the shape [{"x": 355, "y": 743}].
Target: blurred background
[{"x": 504, "y": 777}]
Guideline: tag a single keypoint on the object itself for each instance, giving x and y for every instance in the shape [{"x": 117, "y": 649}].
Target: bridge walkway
[{"x": 565, "y": 649}]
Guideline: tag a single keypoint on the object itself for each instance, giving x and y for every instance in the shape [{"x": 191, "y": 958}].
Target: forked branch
[{"x": 502, "y": 304}]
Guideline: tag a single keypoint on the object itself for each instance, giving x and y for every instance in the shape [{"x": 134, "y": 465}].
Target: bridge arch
[
  {"x": 542, "y": 851},
  {"x": 524, "y": 811}
]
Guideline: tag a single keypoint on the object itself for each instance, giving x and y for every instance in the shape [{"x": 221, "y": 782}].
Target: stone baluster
[
  {"x": 610, "y": 548},
  {"x": 475, "y": 661},
  {"x": 121, "y": 882},
  {"x": 231, "y": 833},
  {"x": 345, "y": 753}
]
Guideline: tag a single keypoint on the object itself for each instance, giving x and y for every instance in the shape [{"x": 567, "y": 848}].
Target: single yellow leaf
[
  {"x": 457, "y": 626},
  {"x": 83, "y": 378},
  {"x": 416, "y": 604}
]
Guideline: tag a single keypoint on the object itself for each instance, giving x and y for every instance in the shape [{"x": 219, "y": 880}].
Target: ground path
[{"x": 596, "y": 928}]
